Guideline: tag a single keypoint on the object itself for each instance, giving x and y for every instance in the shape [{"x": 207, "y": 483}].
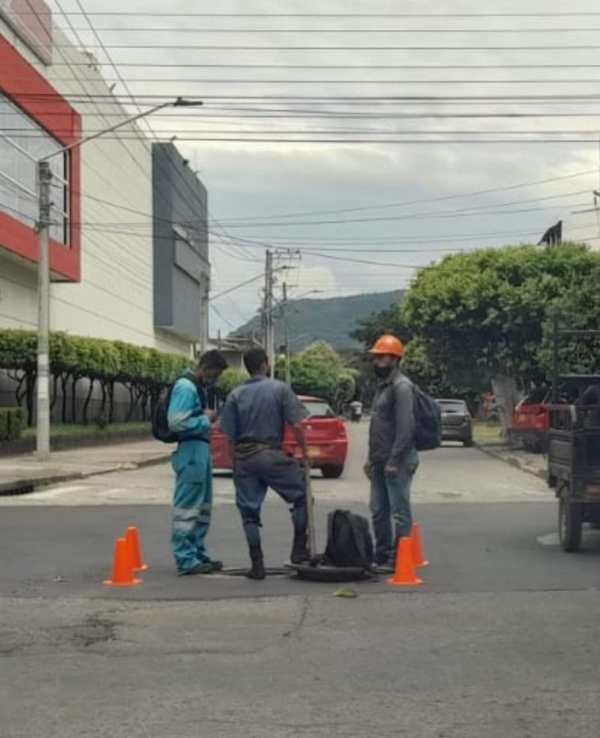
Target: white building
[{"x": 107, "y": 236}]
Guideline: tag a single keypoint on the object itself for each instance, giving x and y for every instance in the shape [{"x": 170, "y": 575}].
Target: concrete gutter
[{"x": 512, "y": 457}]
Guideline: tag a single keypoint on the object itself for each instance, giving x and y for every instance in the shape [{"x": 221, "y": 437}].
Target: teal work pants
[{"x": 192, "y": 504}]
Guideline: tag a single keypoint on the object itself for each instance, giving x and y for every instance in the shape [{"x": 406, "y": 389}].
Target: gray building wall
[{"x": 181, "y": 252}]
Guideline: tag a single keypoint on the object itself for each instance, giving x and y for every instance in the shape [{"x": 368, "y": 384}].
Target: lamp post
[{"x": 44, "y": 174}]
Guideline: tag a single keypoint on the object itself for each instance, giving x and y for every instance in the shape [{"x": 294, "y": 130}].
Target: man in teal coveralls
[{"x": 190, "y": 419}]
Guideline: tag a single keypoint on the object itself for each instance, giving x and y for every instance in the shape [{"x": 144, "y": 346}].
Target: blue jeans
[
  {"x": 254, "y": 475},
  {"x": 390, "y": 506}
]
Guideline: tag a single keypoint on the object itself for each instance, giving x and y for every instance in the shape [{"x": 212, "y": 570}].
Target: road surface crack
[
  {"x": 93, "y": 631},
  {"x": 297, "y": 629}
]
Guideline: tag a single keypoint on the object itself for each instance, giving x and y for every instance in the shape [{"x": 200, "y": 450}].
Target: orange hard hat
[{"x": 389, "y": 346}]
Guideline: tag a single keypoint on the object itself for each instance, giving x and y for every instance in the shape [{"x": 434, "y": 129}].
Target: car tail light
[
  {"x": 341, "y": 429},
  {"x": 593, "y": 489}
]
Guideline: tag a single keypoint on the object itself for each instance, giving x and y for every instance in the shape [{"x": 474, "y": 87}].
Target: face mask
[{"x": 383, "y": 372}]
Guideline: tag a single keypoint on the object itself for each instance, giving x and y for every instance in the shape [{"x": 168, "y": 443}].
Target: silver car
[{"x": 457, "y": 424}]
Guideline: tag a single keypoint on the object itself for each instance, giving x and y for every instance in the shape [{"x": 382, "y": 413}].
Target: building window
[{"x": 22, "y": 143}]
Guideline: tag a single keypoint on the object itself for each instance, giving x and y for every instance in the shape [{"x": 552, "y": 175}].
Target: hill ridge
[{"x": 329, "y": 319}]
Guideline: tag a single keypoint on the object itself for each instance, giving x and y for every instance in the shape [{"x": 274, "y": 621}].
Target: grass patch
[
  {"x": 87, "y": 430},
  {"x": 486, "y": 432}
]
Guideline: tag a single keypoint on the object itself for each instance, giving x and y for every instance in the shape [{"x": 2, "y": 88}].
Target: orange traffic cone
[
  {"x": 122, "y": 575},
  {"x": 417, "y": 547},
  {"x": 135, "y": 549},
  {"x": 405, "y": 574}
]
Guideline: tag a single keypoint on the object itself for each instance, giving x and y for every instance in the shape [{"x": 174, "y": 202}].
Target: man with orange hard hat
[{"x": 393, "y": 458}]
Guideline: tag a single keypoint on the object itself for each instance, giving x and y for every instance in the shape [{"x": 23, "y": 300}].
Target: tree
[
  {"x": 142, "y": 370},
  {"x": 319, "y": 371},
  {"x": 229, "y": 380},
  {"x": 483, "y": 314},
  {"x": 576, "y": 310},
  {"x": 389, "y": 321}
]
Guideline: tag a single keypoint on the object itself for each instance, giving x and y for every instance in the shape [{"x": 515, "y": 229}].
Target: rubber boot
[
  {"x": 257, "y": 571},
  {"x": 300, "y": 553}
]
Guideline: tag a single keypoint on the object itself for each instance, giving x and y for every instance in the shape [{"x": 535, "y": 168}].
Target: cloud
[{"x": 248, "y": 181}]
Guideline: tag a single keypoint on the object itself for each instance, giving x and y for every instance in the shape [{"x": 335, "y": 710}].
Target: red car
[
  {"x": 531, "y": 421},
  {"x": 326, "y": 439}
]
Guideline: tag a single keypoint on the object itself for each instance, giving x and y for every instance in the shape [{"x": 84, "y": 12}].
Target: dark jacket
[{"x": 392, "y": 430}]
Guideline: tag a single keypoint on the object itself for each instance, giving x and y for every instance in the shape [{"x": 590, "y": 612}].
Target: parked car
[
  {"x": 457, "y": 424},
  {"x": 326, "y": 439},
  {"x": 531, "y": 421}
]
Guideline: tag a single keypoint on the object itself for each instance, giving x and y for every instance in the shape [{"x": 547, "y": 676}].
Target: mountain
[{"x": 331, "y": 320}]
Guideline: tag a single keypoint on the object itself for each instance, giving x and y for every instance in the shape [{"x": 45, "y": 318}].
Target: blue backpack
[{"x": 428, "y": 421}]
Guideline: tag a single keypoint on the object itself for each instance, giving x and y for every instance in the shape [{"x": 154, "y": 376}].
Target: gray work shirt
[
  {"x": 257, "y": 412},
  {"x": 392, "y": 429}
]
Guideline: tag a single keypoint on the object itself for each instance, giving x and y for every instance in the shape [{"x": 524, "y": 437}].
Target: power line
[
  {"x": 366, "y": 243},
  {"x": 200, "y": 14},
  {"x": 221, "y": 47},
  {"x": 102, "y": 316},
  {"x": 371, "y": 141},
  {"x": 326, "y": 99},
  {"x": 338, "y": 81},
  {"x": 489, "y": 209},
  {"x": 346, "y": 131},
  {"x": 382, "y": 206},
  {"x": 170, "y": 29},
  {"x": 238, "y": 286},
  {"x": 443, "y": 198},
  {"x": 229, "y": 65},
  {"x": 174, "y": 168},
  {"x": 220, "y": 315}
]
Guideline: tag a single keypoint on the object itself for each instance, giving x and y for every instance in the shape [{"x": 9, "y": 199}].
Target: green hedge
[
  {"x": 11, "y": 423},
  {"x": 143, "y": 371}
]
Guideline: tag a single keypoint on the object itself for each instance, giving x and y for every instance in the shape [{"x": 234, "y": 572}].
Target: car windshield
[
  {"x": 452, "y": 406},
  {"x": 316, "y": 409}
]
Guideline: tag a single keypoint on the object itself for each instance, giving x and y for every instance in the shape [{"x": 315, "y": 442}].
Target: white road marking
[
  {"x": 54, "y": 492},
  {"x": 550, "y": 539}
]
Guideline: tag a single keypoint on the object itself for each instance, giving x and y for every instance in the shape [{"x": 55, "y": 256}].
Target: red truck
[{"x": 531, "y": 421}]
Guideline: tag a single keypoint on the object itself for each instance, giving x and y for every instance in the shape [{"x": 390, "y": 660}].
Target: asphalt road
[{"x": 501, "y": 641}]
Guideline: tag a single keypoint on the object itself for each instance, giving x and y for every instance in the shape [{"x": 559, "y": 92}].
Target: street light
[{"x": 44, "y": 182}]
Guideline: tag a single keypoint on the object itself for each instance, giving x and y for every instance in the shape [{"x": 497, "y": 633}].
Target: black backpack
[
  {"x": 428, "y": 422},
  {"x": 160, "y": 420},
  {"x": 349, "y": 542}
]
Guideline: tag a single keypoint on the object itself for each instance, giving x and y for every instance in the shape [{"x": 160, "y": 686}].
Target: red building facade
[{"x": 31, "y": 107}]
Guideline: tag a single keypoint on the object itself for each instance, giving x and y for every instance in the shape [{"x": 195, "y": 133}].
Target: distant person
[
  {"x": 190, "y": 419},
  {"x": 254, "y": 420},
  {"x": 590, "y": 398},
  {"x": 393, "y": 458},
  {"x": 356, "y": 411}
]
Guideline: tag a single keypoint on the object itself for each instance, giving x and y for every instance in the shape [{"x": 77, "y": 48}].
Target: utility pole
[
  {"x": 43, "y": 348},
  {"x": 288, "y": 369},
  {"x": 268, "y": 315},
  {"x": 204, "y": 308}
]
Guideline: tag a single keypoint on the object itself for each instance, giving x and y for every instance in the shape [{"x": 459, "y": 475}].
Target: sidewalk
[
  {"x": 24, "y": 474},
  {"x": 524, "y": 460}
]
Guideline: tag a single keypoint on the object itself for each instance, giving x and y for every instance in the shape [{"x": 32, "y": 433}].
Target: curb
[
  {"x": 512, "y": 461},
  {"x": 26, "y": 486}
]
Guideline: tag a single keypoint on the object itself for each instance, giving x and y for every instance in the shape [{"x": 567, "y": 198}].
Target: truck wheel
[
  {"x": 332, "y": 472},
  {"x": 569, "y": 525},
  {"x": 468, "y": 443}
]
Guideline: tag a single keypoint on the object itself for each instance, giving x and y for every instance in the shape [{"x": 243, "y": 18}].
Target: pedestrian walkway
[{"x": 23, "y": 474}]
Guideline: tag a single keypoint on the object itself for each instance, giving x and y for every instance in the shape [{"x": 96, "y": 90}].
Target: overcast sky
[{"x": 249, "y": 181}]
